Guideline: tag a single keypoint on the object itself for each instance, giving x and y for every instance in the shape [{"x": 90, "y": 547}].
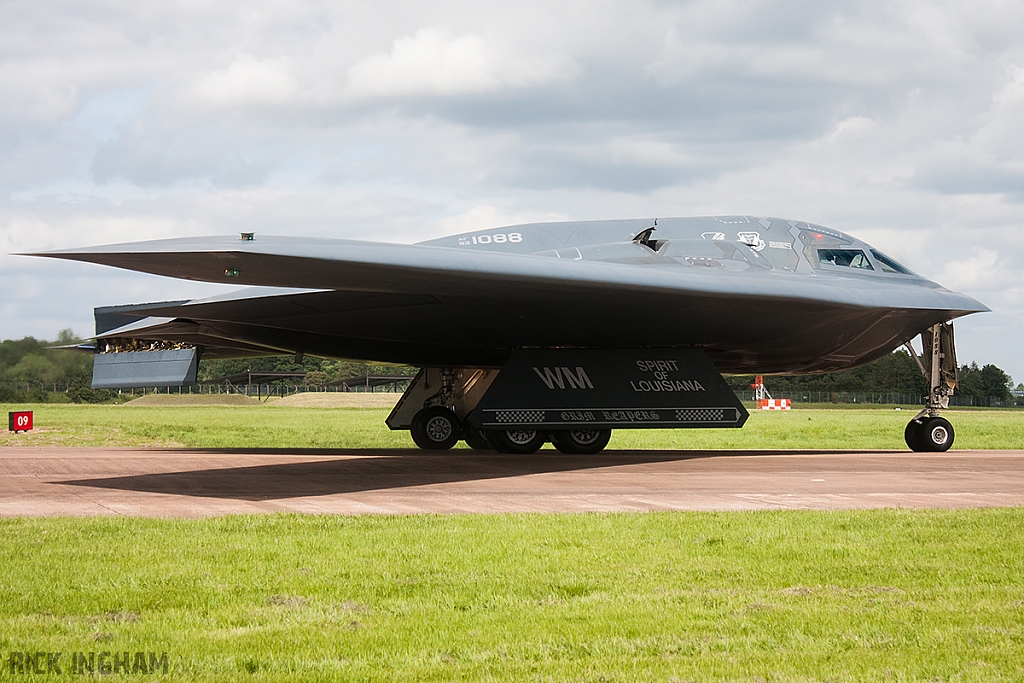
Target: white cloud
[
  {"x": 644, "y": 151},
  {"x": 247, "y": 81},
  {"x": 400, "y": 121},
  {"x": 984, "y": 271},
  {"x": 486, "y": 216},
  {"x": 430, "y": 63},
  {"x": 853, "y": 128},
  {"x": 28, "y": 98}
]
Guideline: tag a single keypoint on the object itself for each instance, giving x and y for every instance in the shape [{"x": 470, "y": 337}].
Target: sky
[{"x": 898, "y": 122}]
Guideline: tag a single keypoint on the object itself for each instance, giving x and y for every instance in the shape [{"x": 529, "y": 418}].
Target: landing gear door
[
  {"x": 458, "y": 389},
  {"x": 606, "y": 388},
  {"x": 949, "y": 374}
]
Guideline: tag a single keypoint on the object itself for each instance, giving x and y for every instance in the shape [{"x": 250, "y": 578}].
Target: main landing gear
[
  {"x": 439, "y": 429},
  {"x": 436, "y": 429},
  {"x": 570, "y": 397},
  {"x": 436, "y": 411},
  {"x": 581, "y": 441},
  {"x": 928, "y": 432}
]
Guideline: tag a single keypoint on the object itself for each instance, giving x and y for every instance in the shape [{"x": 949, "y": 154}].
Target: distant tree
[
  {"x": 35, "y": 367},
  {"x": 328, "y": 370},
  {"x": 894, "y": 373},
  {"x": 988, "y": 383},
  {"x": 996, "y": 383},
  {"x": 30, "y": 369},
  {"x": 317, "y": 378},
  {"x": 80, "y": 390}
]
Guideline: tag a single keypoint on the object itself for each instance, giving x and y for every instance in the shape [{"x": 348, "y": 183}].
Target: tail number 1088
[{"x": 497, "y": 238}]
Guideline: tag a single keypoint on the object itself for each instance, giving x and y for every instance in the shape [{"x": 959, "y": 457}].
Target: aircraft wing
[
  {"x": 382, "y": 267},
  {"x": 446, "y": 306}
]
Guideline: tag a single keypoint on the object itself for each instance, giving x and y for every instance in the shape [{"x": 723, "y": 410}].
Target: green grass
[
  {"x": 269, "y": 426},
  {"x": 209, "y": 427},
  {"x": 891, "y": 595}
]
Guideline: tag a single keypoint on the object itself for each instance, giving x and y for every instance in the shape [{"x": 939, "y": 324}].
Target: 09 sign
[{"x": 20, "y": 421}]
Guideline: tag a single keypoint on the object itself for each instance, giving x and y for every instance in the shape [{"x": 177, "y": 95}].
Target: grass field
[
  {"x": 781, "y": 596},
  {"x": 272, "y": 426},
  {"x": 884, "y": 595}
]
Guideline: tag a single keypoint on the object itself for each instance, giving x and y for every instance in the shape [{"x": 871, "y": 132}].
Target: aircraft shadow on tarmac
[{"x": 384, "y": 470}]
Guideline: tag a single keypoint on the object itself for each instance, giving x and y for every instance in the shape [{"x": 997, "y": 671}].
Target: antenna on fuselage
[{"x": 644, "y": 237}]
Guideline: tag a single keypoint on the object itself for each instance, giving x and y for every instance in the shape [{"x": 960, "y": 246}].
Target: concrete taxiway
[{"x": 199, "y": 483}]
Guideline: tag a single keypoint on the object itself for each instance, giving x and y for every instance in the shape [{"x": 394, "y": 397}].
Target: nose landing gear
[{"x": 928, "y": 432}]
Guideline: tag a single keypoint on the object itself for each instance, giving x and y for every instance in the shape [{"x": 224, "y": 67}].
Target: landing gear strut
[{"x": 928, "y": 432}]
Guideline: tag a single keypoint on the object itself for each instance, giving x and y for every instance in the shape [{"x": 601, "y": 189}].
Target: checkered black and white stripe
[
  {"x": 701, "y": 415},
  {"x": 519, "y": 416}
]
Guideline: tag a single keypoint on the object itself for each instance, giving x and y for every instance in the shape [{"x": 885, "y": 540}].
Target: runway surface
[{"x": 199, "y": 483}]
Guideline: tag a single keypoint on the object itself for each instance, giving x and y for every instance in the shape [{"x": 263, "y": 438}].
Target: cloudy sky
[{"x": 899, "y": 122}]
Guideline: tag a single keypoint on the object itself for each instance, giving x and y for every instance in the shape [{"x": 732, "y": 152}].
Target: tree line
[
  {"x": 896, "y": 373},
  {"x": 32, "y": 370},
  {"x": 319, "y": 371}
]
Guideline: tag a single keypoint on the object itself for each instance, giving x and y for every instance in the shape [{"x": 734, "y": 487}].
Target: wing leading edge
[{"x": 430, "y": 304}]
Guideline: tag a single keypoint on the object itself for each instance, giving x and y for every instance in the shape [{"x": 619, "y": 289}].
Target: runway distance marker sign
[{"x": 19, "y": 421}]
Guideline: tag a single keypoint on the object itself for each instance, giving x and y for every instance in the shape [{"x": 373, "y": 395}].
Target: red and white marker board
[
  {"x": 774, "y": 404},
  {"x": 19, "y": 421}
]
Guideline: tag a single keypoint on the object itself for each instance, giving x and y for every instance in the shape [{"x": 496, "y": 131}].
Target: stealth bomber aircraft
[{"x": 554, "y": 332}]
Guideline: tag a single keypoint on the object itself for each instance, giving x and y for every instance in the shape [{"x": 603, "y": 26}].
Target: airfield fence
[
  {"x": 868, "y": 397},
  {"x": 244, "y": 389},
  {"x": 268, "y": 390}
]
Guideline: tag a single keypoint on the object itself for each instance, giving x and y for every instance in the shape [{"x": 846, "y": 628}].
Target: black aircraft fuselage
[{"x": 758, "y": 295}]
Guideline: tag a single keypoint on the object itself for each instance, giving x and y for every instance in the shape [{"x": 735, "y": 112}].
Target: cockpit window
[
  {"x": 888, "y": 265},
  {"x": 850, "y": 258}
]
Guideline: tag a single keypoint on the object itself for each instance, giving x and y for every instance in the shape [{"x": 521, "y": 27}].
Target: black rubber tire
[
  {"x": 936, "y": 435},
  {"x": 435, "y": 429},
  {"x": 912, "y": 435},
  {"x": 517, "y": 441},
  {"x": 581, "y": 441},
  {"x": 476, "y": 439}
]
